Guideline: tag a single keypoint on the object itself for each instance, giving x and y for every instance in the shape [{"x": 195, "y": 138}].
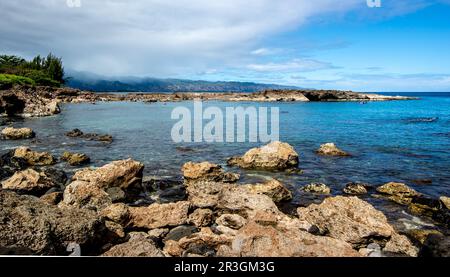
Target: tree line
[{"x": 41, "y": 71}]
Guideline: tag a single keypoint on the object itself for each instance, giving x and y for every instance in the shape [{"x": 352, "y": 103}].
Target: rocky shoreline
[
  {"x": 43, "y": 101},
  {"x": 113, "y": 211}
]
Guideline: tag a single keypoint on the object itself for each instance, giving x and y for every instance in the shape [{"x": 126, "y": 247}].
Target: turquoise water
[{"x": 390, "y": 141}]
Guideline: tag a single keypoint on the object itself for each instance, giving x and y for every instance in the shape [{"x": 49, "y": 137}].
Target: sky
[{"x": 325, "y": 44}]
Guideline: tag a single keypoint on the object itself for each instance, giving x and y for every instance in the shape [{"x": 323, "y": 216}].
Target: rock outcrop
[
  {"x": 274, "y": 156},
  {"x": 330, "y": 149},
  {"x": 34, "y": 158},
  {"x": 17, "y": 133},
  {"x": 30, "y": 182},
  {"x": 398, "y": 192}
]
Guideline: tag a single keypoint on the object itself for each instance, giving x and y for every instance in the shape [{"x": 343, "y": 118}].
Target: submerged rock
[
  {"x": 45, "y": 229},
  {"x": 356, "y": 222},
  {"x": 274, "y": 156},
  {"x": 317, "y": 188},
  {"x": 398, "y": 192},
  {"x": 75, "y": 159},
  {"x": 29, "y": 181},
  {"x": 77, "y": 133},
  {"x": 330, "y": 149},
  {"x": 273, "y": 188},
  {"x": 34, "y": 158},
  {"x": 356, "y": 189},
  {"x": 16, "y": 134}
]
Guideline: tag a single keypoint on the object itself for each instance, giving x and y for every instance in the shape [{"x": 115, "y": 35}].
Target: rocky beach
[{"x": 210, "y": 210}]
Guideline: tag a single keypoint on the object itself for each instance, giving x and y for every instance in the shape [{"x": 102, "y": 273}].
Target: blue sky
[{"x": 325, "y": 44}]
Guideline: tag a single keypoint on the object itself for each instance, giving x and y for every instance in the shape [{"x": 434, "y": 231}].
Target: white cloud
[
  {"x": 152, "y": 37},
  {"x": 295, "y": 65}
]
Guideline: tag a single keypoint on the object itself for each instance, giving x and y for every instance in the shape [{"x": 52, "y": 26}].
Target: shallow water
[{"x": 389, "y": 141}]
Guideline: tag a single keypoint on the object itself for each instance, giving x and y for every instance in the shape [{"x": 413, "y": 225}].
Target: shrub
[{"x": 8, "y": 80}]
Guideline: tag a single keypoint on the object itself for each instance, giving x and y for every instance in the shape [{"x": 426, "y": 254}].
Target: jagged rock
[
  {"x": 138, "y": 246},
  {"x": 29, "y": 181},
  {"x": 158, "y": 234},
  {"x": 28, "y": 101},
  {"x": 85, "y": 195},
  {"x": 45, "y": 229},
  {"x": 330, "y": 149},
  {"x": 355, "y": 189},
  {"x": 75, "y": 159},
  {"x": 159, "y": 215},
  {"x": 424, "y": 205},
  {"x": 118, "y": 213},
  {"x": 259, "y": 240},
  {"x": 354, "y": 221},
  {"x": 233, "y": 221},
  {"x": 34, "y": 158},
  {"x": 274, "y": 156},
  {"x": 201, "y": 217},
  {"x": 77, "y": 133},
  {"x": 193, "y": 172},
  {"x": 398, "y": 192},
  {"x": 273, "y": 188},
  {"x": 19, "y": 133},
  {"x": 180, "y": 232},
  {"x": 115, "y": 232},
  {"x": 52, "y": 198},
  {"x": 58, "y": 176},
  {"x": 124, "y": 174},
  {"x": 317, "y": 188},
  {"x": 400, "y": 244},
  {"x": 446, "y": 201}
]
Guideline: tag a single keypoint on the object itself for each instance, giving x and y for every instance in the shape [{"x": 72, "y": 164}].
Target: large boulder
[
  {"x": 158, "y": 215},
  {"x": 272, "y": 188},
  {"x": 354, "y": 221},
  {"x": 125, "y": 174},
  {"x": 330, "y": 149},
  {"x": 263, "y": 240},
  {"x": 17, "y": 133},
  {"x": 29, "y": 181},
  {"x": 27, "y": 222},
  {"x": 274, "y": 156},
  {"x": 139, "y": 245},
  {"x": 206, "y": 171},
  {"x": 398, "y": 192},
  {"x": 34, "y": 158}
]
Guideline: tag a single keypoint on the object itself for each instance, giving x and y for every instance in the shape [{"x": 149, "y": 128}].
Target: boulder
[
  {"x": 330, "y": 149},
  {"x": 205, "y": 171},
  {"x": 34, "y": 158},
  {"x": 45, "y": 229},
  {"x": 138, "y": 246},
  {"x": 124, "y": 174},
  {"x": 317, "y": 188},
  {"x": 260, "y": 240},
  {"x": 274, "y": 156},
  {"x": 159, "y": 215},
  {"x": 118, "y": 213},
  {"x": 29, "y": 181},
  {"x": 355, "y": 189},
  {"x": 85, "y": 195},
  {"x": 273, "y": 188},
  {"x": 16, "y": 134},
  {"x": 352, "y": 220},
  {"x": 233, "y": 221},
  {"x": 201, "y": 217},
  {"x": 75, "y": 159},
  {"x": 398, "y": 192}
]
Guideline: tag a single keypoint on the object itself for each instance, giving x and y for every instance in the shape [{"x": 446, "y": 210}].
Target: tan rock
[
  {"x": 75, "y": 159},
  {"x": 398, "y": 192},
  {"x": 29, "y": 181},
  {"x": 34, "y": 158},
  {"x": 446, "y": 201},
  {"x": 233, "y": 221},
  {"x": 421, "y": 236},
  {"x": 274, "y": 156},
  {"x": 52, "y": 198},
  {"x": 201, "y": 217},
  {"x": 85, "y": 195},
  {"x": 173, "y": 249},
  {"x": 317, "y": 188},
  {"x": 206, "y": 171},
  {"x": 330, "y": 149},
  {"x": 137, "y": 246},
  {"x": 159, "y": 215},
  {"x": 122, "y": 174},
  {"x": 16, "y": 134},
  {"x": 206, "y": 238},
  {"x": 118, "y": 213},
  {"x": 273, "y": 188},
  {"x": 401, "y": 245},
  {"x": 355, "y": 189}
]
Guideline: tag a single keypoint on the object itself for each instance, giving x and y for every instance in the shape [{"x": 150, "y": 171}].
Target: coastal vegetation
[{"x": 40, "y": 71}]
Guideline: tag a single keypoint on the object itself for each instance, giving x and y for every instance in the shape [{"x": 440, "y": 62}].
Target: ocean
[{"x": 401, "y": 141}]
